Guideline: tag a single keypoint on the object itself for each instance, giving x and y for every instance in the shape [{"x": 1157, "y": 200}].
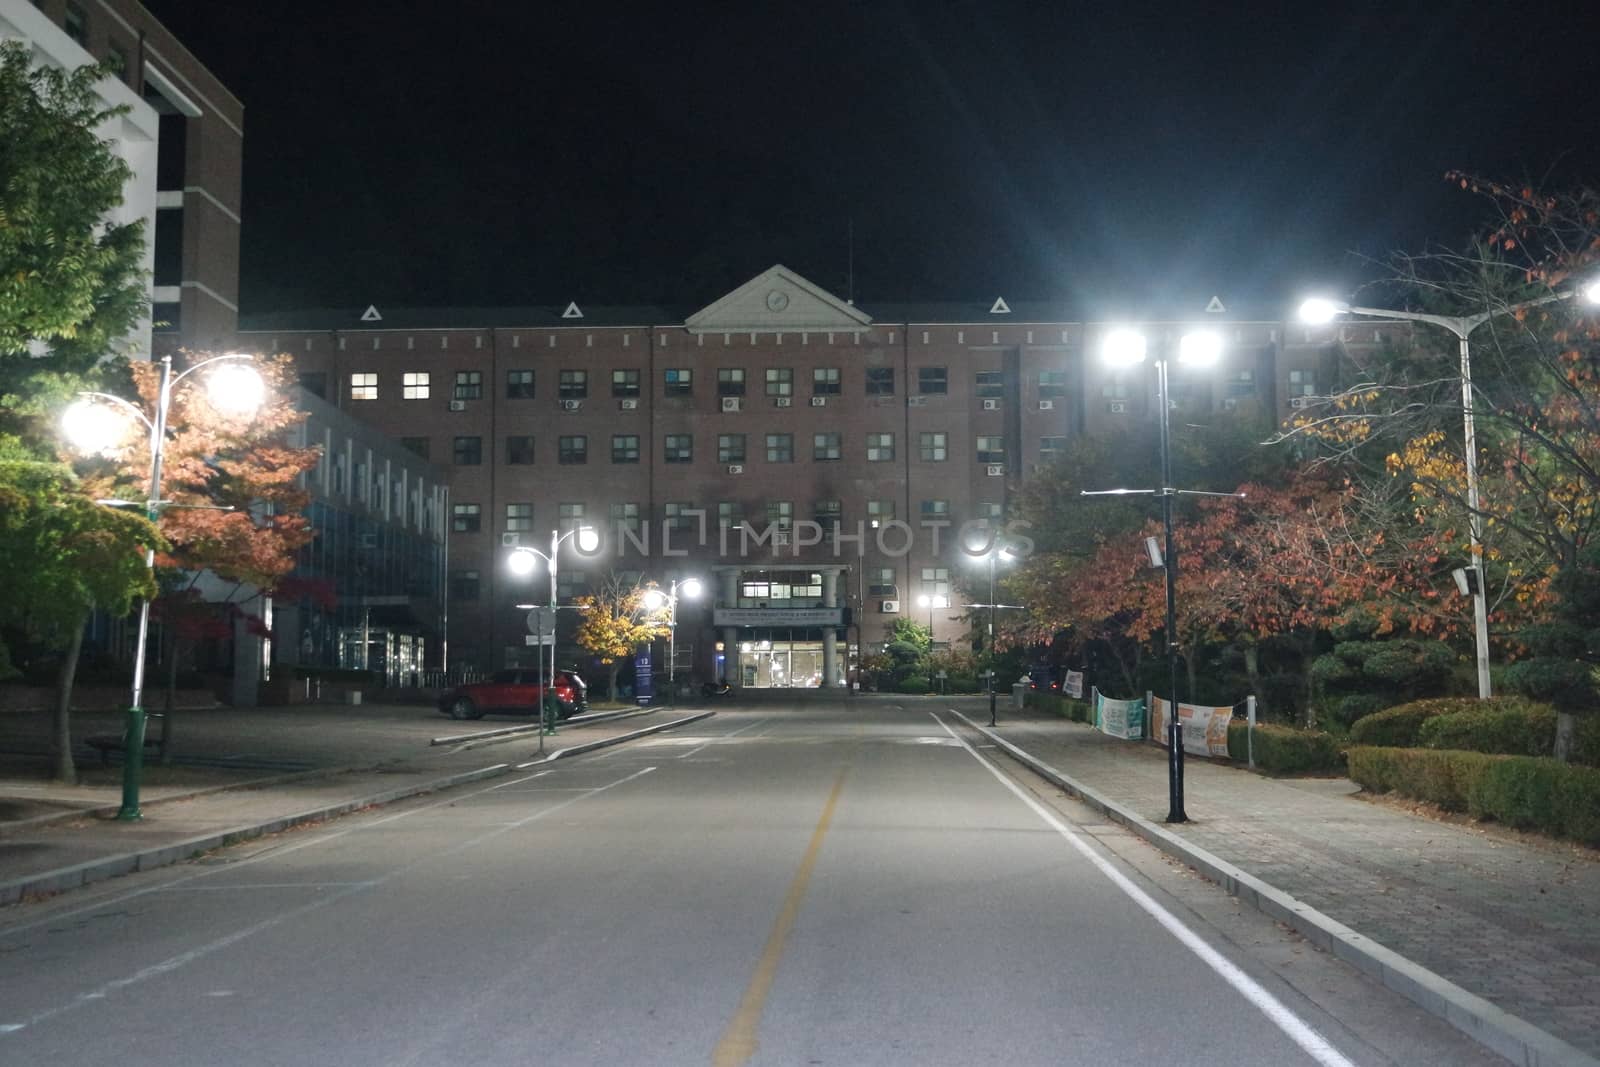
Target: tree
[
  {"x": 1566, "y": 650},
  {"x": 616, "y": 622},
  {"x": 63, "y": 555},
  {"x": 72, "y": 281}
]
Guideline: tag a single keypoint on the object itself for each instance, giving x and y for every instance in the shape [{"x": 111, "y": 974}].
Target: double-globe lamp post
[
  {"x": 932, "y": 601},
  {"x": 523, "y": 562},
  {"x": 94, "y": 425},
  {"x": 1201, "y": 348},
  {"x": 997, "y": 552},
  {"x": 1319, "y": 311},
  {"x": 655, "y": 600}
]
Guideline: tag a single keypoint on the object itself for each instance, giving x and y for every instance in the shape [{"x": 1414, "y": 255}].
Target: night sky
[{"x": 534, "y": 153}]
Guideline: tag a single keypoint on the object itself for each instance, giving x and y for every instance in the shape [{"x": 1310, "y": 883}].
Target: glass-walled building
[{"x": 780, "y": 626}]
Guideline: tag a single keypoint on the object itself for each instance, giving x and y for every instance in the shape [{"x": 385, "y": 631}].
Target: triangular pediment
[{"x": 778, "y": 301}]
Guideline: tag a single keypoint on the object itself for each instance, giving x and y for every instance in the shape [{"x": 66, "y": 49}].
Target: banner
[
  {"x": 1073, "y": 686},
  {"x": 1205, "y": 730},
  {"x": 1119, "y": 718},
  {"x": 643, "y": 684}
]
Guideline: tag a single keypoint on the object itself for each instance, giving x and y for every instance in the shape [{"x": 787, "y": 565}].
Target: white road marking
[
  {"x": 1295, "y": 1028},
  {"x": 729, "y": 737}
]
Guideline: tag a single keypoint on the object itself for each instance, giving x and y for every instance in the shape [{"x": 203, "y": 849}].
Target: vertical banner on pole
[
  {"x": 643, "y": 683},
  {"x": 1250, "y": 732}
]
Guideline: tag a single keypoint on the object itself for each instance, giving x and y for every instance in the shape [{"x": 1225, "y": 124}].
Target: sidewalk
[
  {"x": 1512, "y": 920},
  {"x": 227, "y": 783}
]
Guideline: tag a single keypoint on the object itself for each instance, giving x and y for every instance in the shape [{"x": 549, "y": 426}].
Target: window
[
  {"x": 679, "y": 381},
  {"x": 625, "y": 516},
  {"x": 936, "y": 509},
  {"x": 679, "y": 448},
  {"x": 624, "y": 383},
  {"x": 315, "y": 383},
  {"x": 879, "y": 512},
  {"x": 572, "y": 516},
  {"x": 418, "y": 445},
  {"x": 880, "y": 581},
  {"x": 574, "y": 384},
  {"x": 991, "y": 449},
  {"x": 880, "y": 447},
  {"x": 730, "y": 381},
  {"x": 519, "y": 518},
  {"x": 680, "y": 515},
  {"x": 1302, "y": 383},
  {"x": 468, "y": 451},
  {"x": 990, "y": 511},
  {"x": 730, "y": 513},
  {"x": 117, "y": 56},
  {"x": 464, "y": 518},
  {"x": 463, "y": 585},
  {"x": 570, "y": 583},
  {"x": 1115, "y": 389},
  {"x": 880, "y": 381},
  {"x": 519, "y": 449},
  {"x": 826, "y": 446},
  {"x": 624, "y": 448},
  {"x": 1051, "y": 449},
  {"x": 76, "y": 24},
  {"x": 780, "y": 514},
  {"x": 414, "y": 385},
  {"x": 936, "y": 581},
  {"x": 1240, "y": 383},
  {"x": 469, "y": 385},
  {"x": 991, "y": 385},
  {"x": 573, "y": 449},
  {"x": 519, "y": 385},
  {"x": 934, "y": 448},
  {"x": 825, "y": 381},
  {"x": 780, "y": 448},
  {"x": 1052, "y": 384},
  {"x": 730, "y": 448},
  {"x": 364, "y": 385},
  {"x": 780, "y": 381},
  {"x": 827, "y": 513},
  {"x": 933, "y": 380}
]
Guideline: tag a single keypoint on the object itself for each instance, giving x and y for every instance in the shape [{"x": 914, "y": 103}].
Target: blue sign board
[{"x": 644, "y": 689}]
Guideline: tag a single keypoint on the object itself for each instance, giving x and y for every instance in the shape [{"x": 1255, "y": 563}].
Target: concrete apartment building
[
  {"x": 183, "y": 137},
  {"x": 800, "y": 454}
]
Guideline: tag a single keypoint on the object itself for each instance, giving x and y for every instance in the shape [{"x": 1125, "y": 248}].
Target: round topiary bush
[
  {"x": 1358, "y": 706},
  {"x": 912, "y": 686}
]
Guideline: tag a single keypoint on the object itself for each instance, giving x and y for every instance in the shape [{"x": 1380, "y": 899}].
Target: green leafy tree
[
  {"x": 1566, "y": 650},
  {"x": 63, "y": 555}
]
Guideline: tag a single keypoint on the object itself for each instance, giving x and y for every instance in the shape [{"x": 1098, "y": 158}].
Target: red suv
[{"x": 517, "y": 691}]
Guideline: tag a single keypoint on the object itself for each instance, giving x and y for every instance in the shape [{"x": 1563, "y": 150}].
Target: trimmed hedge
[
  {"x": 1064, "y": 706},
  {"x": 1397, "y": 727},
  {"x": 1285, "y": 750},
  {"x": 1519, "y": 730},
  {"x": 914, "y": 686},
  {"x": 1527, "y": 792}
]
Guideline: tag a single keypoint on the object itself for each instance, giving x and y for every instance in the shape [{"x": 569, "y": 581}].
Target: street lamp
[
  {"x": 234, "y": 390},
  {"x": 1199, "y": 348},
  {"x": 931, "y": 602},
  {"x": 654, "y": 600},
  {"x": 523, "y": 562},
  {"x": 1319, "y": 311},
  {"x": 996, "y": 552}
]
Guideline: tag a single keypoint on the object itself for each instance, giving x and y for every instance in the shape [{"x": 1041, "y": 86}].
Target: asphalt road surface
[{"x": 787, "y": 885}]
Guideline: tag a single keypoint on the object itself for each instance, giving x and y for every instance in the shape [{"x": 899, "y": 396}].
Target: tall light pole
[
  {"x": 524, "y": 561},
  {"x": 234, "y": 390},
  {"x": 995, "y": 552},
  {"x": 931, "y": 602},
  {"x": 654, "y": 600},
  {"x": 1319, "y": 311},
  {"x": 1126, "y": 348}
]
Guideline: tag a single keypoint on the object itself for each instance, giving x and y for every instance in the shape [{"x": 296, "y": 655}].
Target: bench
[{"x": 106, "y": 744}]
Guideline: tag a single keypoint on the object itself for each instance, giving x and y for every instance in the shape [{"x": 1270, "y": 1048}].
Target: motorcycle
[{"x": 716, "y": 689}]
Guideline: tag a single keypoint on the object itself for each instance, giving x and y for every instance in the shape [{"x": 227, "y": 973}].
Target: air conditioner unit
[
  {"x": 630, "y": 404},
  {"x": 731, "y": 403},
  {"x": 916, "y": 401},
  {"x": 1299, "y": 401},
  {"x": 991, "y": 405},
  {"x": 1047, "y": 405},
  {"x": 819, "y": 401},
  {"x": 736, "y": 468},
  {"x": 510, "y": 540},
  {"x": 458, "y": 405},
  {"x": 889, "y": 607},
  {"x": 571, "y": 405},
  {"x": 1118, "y": 407},
  {"x": 995, "y": 470},
  {"x": 782, "y": 402}
]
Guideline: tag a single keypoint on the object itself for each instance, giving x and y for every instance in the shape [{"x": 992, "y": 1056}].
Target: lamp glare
[
  {"x": 1200, "y": 349},
  {"x": 654, "y": 599},
  {"x": 522, "y": 563},
  {"x": 1319, "y": 311},
  {"x": 236, "y": 388},
  {"x": 691, "y": 588},
  {"x": 91, "y": 428},
  {"x": 588, "y": 540},
  {"x": 1123, "y": 348}
]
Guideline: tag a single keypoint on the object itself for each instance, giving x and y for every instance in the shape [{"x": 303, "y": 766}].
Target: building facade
[
  {"x": 183, "y": 138},
  {"x": 818, "y": 464}
]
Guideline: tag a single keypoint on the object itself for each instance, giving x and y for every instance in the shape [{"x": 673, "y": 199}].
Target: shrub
[
  {"x": 1506, "y": 726},
  {"x": 915, "y": 685},
  {"x": 1398, "y": 726},
  {"x": 1285, "y": 749},
  {"x": 1358, "y": 706}
]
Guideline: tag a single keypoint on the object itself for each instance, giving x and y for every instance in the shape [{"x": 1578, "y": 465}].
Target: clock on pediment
[{"x": 777, "y": 300}]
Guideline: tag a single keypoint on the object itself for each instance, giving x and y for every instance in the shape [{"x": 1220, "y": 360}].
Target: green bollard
[{"x": 132, "y": 766}]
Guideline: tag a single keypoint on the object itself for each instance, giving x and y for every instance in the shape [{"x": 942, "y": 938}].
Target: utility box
[{"x": 1018, "y": 694}]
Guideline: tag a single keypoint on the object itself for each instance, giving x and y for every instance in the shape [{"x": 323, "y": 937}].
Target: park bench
[{"x": 106, "y": 744}]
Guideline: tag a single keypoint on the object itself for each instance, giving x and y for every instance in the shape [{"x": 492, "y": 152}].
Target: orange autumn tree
[{"x": 616, "y": 622}]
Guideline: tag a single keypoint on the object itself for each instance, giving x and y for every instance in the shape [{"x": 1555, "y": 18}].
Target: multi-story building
[
  {"x": 183, "y": 137},
  {"x": 801, "y": 454}
]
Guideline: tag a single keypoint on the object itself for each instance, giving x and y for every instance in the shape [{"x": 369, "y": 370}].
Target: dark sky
[{"x": 534, "y": 153}]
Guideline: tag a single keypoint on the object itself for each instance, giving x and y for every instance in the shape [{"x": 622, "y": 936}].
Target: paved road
[{"x": 788, "y": 885}]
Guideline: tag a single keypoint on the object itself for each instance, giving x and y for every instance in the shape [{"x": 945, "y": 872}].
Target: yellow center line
[{"x": 738, "y": 1042}]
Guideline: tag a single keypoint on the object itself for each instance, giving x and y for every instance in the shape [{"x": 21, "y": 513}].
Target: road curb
[
  {"x": 1509, "y": 1035},
  {"x": 98, "y": 870}
]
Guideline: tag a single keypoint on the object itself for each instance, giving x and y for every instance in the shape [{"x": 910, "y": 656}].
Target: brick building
[{"x": 801, "y": 454}]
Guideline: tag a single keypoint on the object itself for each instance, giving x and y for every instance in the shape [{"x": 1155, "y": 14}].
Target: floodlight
[
  {"x": 236, "y": 388},
  {"x": 1123, "y": 347},
  {"x": 522, "y": 562},
  {"x": 1319, "y": 310},
  {"x": 1201, "y": 348}
]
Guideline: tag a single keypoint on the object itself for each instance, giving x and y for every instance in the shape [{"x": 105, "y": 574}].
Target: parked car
[{"x": 517, "y": 691}]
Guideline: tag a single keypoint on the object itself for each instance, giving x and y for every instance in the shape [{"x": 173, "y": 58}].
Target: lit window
[
  {"x": 936, "y": 581},
  {"x": 880, "y": 447},
  {"x": 414, "y": 386},
  {"x": 364, "y": 385}
]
